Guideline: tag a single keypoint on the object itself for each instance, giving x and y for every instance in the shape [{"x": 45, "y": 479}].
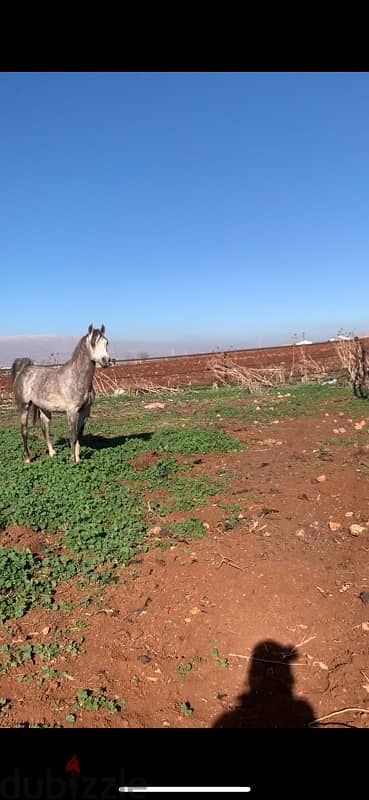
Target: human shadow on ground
[{"x": 268, "y": 700}]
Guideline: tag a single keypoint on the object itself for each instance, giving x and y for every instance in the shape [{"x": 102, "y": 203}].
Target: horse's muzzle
[{"x": 105, "y": 362}]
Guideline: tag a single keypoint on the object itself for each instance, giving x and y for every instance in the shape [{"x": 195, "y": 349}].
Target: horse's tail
[{"x": 18, "y": 366}]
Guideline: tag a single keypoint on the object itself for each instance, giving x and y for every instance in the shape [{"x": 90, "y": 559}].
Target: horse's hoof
[{"x": 28, "y": 460}]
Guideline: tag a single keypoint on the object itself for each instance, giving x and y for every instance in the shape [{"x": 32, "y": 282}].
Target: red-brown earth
[{"x": 175, "y": 636}]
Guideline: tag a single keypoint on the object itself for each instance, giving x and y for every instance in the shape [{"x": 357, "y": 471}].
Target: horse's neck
[{"x": 82, "y": 366}]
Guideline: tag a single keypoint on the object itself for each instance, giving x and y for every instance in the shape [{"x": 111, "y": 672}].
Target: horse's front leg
[
  {"x": 73, "y": 419},
  {"x": 84, "y": 414},
  {"x": 24, "y": 428}
]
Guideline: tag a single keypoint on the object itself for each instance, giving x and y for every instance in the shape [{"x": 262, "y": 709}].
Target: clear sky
[{"x": 227, "y": 206}]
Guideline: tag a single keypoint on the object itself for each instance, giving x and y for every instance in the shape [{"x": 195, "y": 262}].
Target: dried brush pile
[{"x": 227, "y": 372}]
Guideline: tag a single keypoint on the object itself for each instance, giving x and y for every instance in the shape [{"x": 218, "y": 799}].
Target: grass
[
  {"x": 93, "y": 517},
  {"x": 220, "y": 662},
  {"x": 90, "y": 519},
  {"x": 185, "y": 708},
  {"x": 14, "y": 655},
  {"x": 94, "y": 520},
  {"x": 96, "y": 700},
  {"x": 184, "y": 667}
]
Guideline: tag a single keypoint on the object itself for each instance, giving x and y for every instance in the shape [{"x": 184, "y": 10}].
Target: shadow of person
[{"x": 269, "y": 701}]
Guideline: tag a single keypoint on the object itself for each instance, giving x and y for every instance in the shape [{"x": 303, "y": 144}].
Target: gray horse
[{"x": 41, "y": 390}]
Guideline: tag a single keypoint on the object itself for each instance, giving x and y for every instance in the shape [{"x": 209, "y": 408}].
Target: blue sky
[{"x": 231, "y": 207}]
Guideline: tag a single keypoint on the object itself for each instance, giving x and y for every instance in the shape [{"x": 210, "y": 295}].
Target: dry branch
[
  {"x": 107, "y": 386},
  {"x": 353, "y": 358},
  {"x": 226, "y": 371}
]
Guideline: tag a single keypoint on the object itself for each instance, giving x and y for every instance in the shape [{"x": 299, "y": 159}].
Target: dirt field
[
  {"x": 196, "y": 370},
  {"x": 260, "y": 621}
]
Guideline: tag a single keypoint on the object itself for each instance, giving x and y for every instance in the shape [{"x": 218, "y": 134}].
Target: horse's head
[{"x": 97, "y": 345}]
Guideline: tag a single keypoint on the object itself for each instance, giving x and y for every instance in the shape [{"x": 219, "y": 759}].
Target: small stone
[
  {"x": 359, "y": 425},
  {"x": 355, "y": 530},
  {"x": 321, "y": 478},
  {"x": 155, "y": 530},
  {"x": 144, "y": 659},
  {"x": 334, "y": 526}
]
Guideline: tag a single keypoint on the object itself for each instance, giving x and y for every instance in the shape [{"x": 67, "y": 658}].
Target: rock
[
  {"x": 155, "y": 530},
  {"x": 355, "y": 530},
  {"x": 359, "y": 425},
  {"x": 144, "y": 659},
  {"x": 334, "y": 526}
]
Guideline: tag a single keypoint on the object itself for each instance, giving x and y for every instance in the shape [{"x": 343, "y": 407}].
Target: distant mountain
[
  {"x": 54, "y": 348},
  {"x": 46, "y": 349}
]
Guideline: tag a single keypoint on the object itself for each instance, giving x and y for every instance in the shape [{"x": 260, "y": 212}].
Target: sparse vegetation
[
  {"x": 186, "y": 709},
  {"x": 96, "y": 700},
  {"x": 144, "y": 480}
]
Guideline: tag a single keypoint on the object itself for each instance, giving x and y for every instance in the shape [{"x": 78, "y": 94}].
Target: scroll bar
[{"x": 144, "y": 789}]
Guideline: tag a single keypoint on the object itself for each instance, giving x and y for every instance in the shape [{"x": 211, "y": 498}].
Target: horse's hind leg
[
  {"x": 24, "y": 428},
  {"x": 73, "y": 419},
  {"x": 45, "y": 418}
]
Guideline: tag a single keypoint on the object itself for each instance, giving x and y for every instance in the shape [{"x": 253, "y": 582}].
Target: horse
[{"x": 41, "y": 390}]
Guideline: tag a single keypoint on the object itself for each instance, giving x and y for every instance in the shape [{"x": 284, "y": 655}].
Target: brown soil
[
  {"x": 196, "y": 370},
  {"x": 181, "y": 625}
]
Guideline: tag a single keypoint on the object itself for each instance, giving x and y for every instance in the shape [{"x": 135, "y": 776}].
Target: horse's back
[{"x": 39, "y": 385}]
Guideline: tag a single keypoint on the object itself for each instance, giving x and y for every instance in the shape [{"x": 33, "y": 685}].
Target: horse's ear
[
  {"x": 102, "y": 329},
  {"x": 90, "y": 328}
]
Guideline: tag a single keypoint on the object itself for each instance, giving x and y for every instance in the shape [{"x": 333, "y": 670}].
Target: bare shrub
[
  {"x": 350, "y": 356},
  {"x": 354, "y": 359},
  {"x": 107, "y": 386},
  {"x": 303, "y": 369},
  {"x": 228, "y": 373}
]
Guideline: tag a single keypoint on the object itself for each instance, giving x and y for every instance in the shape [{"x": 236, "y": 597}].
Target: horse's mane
[{"x": 78, "y": 348}]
